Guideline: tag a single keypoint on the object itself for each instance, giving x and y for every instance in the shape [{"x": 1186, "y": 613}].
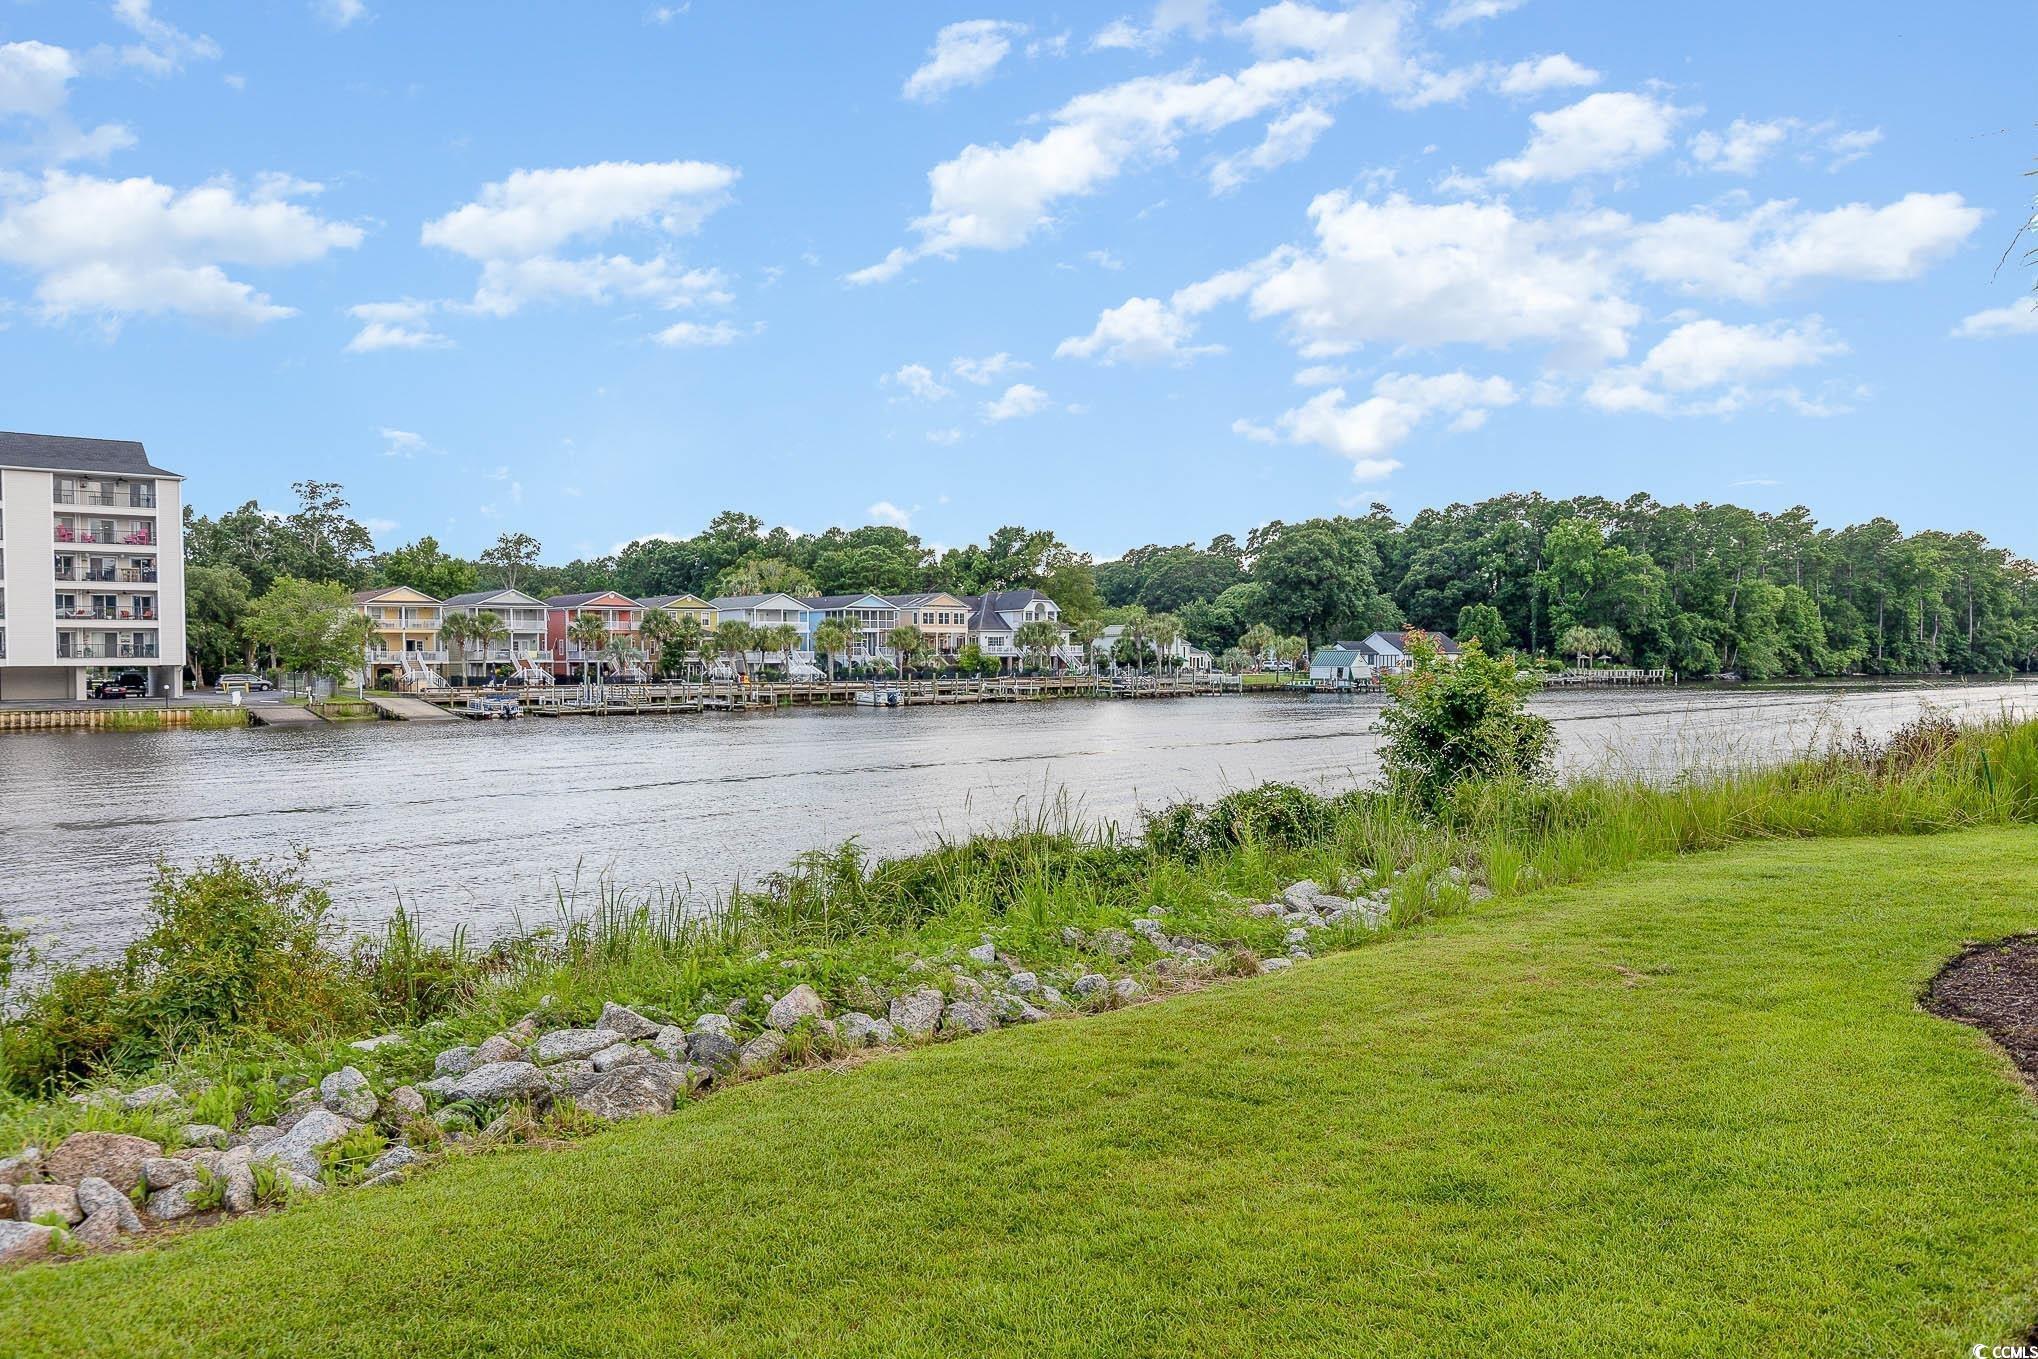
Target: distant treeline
[{"x": 1703, "y": 589}]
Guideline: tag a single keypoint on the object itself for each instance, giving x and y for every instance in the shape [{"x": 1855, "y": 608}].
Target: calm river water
[{"x": 483, "y": 822}]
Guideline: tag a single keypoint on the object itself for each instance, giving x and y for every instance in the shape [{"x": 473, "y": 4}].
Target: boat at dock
[{"x": 492, "y": 708}]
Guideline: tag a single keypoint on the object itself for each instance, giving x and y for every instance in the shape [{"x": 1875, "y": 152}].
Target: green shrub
[
  {"x": 346, "y": 1161},
  {"x": 1455, "y": 721},
  {"x": 1276, "y": 816}
]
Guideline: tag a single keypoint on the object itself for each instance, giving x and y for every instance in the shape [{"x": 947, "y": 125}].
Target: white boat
[{"x": 875, "y": 697}]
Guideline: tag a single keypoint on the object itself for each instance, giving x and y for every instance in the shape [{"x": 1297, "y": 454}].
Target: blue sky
[{"x": 1139, "y": 274}]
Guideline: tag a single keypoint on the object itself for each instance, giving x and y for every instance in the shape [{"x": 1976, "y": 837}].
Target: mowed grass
[{"x": 1691, "y": 1109}]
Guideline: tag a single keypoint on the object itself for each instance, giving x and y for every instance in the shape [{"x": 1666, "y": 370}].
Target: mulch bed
[{"x": 1995, "y": 988}]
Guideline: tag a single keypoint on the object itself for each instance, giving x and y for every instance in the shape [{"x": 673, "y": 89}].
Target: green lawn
[{"x": 1692, "y": 1109}]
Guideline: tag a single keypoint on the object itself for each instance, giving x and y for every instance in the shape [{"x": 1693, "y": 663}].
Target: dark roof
[
  {"x": 575, "y": 601},
  {"x": 62, "y": 453},
  {"x": 752, "y": 601},
  {"x": 986, "y": 608}
]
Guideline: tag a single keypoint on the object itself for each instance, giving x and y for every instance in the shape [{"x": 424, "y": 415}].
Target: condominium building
[
  {"x": 91, "y": 567},
  {"x": 620, "y": 655},
  {"x": 943, "y": 620}
]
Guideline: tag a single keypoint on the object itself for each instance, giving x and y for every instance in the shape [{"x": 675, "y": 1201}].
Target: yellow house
[
  {"x": 404, "y": 642},
  {"x": 942, "y": 619},
  {"x": 684, "y": 606}
]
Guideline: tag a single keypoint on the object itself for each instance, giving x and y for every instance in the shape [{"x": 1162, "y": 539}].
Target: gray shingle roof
[
  {"x": 63, "y": 453},
  {"x": 575, "y": 601},
  {"x": 522, "y": 600}
]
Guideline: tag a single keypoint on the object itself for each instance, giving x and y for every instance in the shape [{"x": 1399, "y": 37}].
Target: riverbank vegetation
[
  {"x": 1693, "y": 1108},
  {"x": 244, "y": 976},
  {"x": 1700, "y": 589}
]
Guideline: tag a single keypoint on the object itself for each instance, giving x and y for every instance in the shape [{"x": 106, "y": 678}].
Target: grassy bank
[
  {"x": 183, "y": 717},
  {"x": 1689, "y": 1109},
  {"x": 243, "y": 981}
]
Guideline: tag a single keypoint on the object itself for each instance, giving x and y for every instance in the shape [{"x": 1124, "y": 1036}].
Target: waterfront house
[
  {"x": 622, "y": 658},
  {"x": 1389, "y": 650},
  {"x": 403, "y": 641},
  {"x": 91, "y": 567},
  {"x": 1341, "y": 663},
  {"x": 942, "y": 619},
  {"x": 869, "y": 618},
  {"x": 995, "y": 618},
  {"x": 771, "y": 611},
  {"x": 1179, "y": 654},
  {"x": 683, "y": 606},
  {"x": 524, "y": 649}
]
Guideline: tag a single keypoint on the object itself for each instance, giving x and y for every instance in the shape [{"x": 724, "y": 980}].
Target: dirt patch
[{"x": 1995, "y": 988}]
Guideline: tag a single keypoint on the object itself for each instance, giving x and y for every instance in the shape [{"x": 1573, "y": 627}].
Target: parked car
[
  {"x": 126, "y": 684},
  {"x": 252, "y": 683}
]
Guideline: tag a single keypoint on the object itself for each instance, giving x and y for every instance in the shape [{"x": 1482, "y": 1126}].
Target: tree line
[{"x": 1700, "y": 589}]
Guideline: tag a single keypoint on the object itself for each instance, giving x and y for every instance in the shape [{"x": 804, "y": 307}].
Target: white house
[
  {"x": 1389, "y": 650},
  {"x": 523, "y": 647},
  {"x": 91, "y": 566},
  {"x": 1193, "y": 659},
  {"x": 1339, "y": 664},
  {"x": 995, "y": 618}
]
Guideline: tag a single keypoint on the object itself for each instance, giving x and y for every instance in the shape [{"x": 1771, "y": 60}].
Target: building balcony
[
  {"x": 128, "y": 615},
  {"x": 131, "y": 498},
  {"x": 105, "y": 651},
  {"x": 116, "y": 537},
  {"x": 384, "y": 656}
]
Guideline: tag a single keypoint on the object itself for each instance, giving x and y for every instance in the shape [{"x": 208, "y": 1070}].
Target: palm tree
[
  {"x": 1291, "y": 649},
  {"x": 1138, "y": 634},
  {"x": 485, "y": 629},
  {"x": 782, "y": 638},
  {"x": 734, "y": 639},
  {"x": 907, "y": 641},
  {"x": 454, "y": 630},
  {"x": 833, "y": 639},
  {"x": 688, "y": 637},
  {"x": 1037, "y": 638},
  {"x": 591, "y": 635},
  {"x": 657, "y": 629},
  {"x": 1165, "y": 630},
  {"x": 1085, "y": 631},
  {"x": 1259, "y": 639}
]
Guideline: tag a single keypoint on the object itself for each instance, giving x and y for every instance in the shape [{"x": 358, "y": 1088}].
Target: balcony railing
[
  {"x": 383, "y": 656},
  {"x": 108, "y": 575},
  {"x": 100, "y": 651},
  {"x": 136, "y": 499},
  {"x": 110, "y": 615},
  {"x": 141, "y": 537}
]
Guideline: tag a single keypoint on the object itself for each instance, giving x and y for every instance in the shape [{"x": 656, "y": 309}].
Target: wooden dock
[
  {"x": 626, "y": 700},
  {"x": 1574, "y": 678},
  {"x": 408, "y": 708}
]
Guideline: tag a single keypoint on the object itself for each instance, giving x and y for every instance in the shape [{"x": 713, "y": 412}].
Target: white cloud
[
  {"x": 1714, "y": 358},
  {"x": 1288, "y": 138},
  {"x": 1104, "y": 259},
  {"x": 403, "y": 443},
  {"x": 164, "y": 48},
  {"x": 1848, "y": 147},
  {"x": 999, "y": 197},
  {"x": 117, "y": 248},
  {"x": 1742, "y": 148},
  {"x": 1195, "y": 17},
  {"x": 885, "y": 512},
  {"x": 518, "y": 226},
  {"x": 963, "y": 54},
  {"x": 340, "y": 13},
  {"x": 35, "y": 85},
  {"x": 380, "y": 528},
  {"x": 1540, "y": 74},
  {"x": 665, "y": 14},
  {"x": 395, "y": 325},
  {"x": 1320, "y": 375},
  {"x": 1408, "y": 273},
  {"x": 918, "y": 381},
  {"x": 2019, "y": 318},
  {"x": 34, "y": 78},
  {"x": 944, "y": 437},
  {"x": 1461, "y": 12},
  {"x": 1600, "y": 134},
  {"x": 695, "y": 335},
  {"x": 988, "y": 369},
  {"x": 1142, "y": 330},
  {"x": 1021, "y": 399},
  {"x": 1777, "y": 244},
  {"x": 1365, "y": 432}
]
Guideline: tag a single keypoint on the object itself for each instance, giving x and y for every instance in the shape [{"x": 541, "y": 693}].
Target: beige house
[
  {"x": 942, "y": 619},
  {"x": 404, "y": 643}
]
